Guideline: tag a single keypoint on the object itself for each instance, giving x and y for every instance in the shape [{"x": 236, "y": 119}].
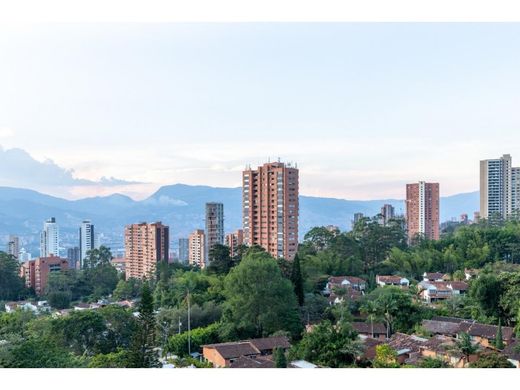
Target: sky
[{"x": 362, "y": 108}]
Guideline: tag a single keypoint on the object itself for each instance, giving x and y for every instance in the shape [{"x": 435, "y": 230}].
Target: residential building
[
  {"x": 392, "y": 280},
  {"x": 464, "y": 220},
  {"x": 184, "y": 245},
  {"x": 13, "y": 246},
  {"x": 422, "y": 210},
  {"x": 214, "y": 233},
  {"x": 196, "y": 250},
  {"x": 73, "y": 255},
  {"x": 357, "y": 217},
  {"x": 343, "y": 282},
  {"x": 234, "y": 241},
  {"x": 387, "y": 213},
  {"x": 145, "y": 245},
  {"x": 24, "y": 256},
  {"x": 499, "y": 188},
  {"x": 271, "y": 208},
  {"x": 49, "y": 238},
  {"x": 86, "y": 240},
  {"x": 119, "y": 263},
  {"x": 433, "y": 277},
  {"x": 36, "y": 272},
  {"x": 376, "y": 330},
  {"x": 434, "y": 291}
]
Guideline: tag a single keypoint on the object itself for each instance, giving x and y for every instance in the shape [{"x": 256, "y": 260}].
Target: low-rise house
[
  {"x": 433, "y": 277},
  {"x": 369, "y": 348},
  {"x": 392, "y": 280},
  {"x": 377, "y": 330},
  {"x": 471, "y": 273},
  {"x": 82, "y": 306},
  {"x": 252, "y": 362},
  {"x": 344, "y": 282},
  {"x": 431, "y": 292},
  {"x": 408, "y": 347},
  {"x": 445, "y": 348},
  {"x": 512, "y": 352},
  {"x": 225, "y": 354},
  {"x": 482, "y": 334},
  {"x": 349, "y": 295},
  {"x": 22, "y": 305}
]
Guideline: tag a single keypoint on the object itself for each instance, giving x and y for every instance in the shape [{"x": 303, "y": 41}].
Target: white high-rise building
[
  {"x": 13, "y": 246},
  {"x": 499, "y": 187},
  {"x": 87, "y": 240},
  {"x": 49, "y": 238}
]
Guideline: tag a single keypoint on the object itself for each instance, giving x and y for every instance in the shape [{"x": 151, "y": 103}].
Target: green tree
[
  {"x": 297, "y": 280},
  {"x": 127, "y": 289},
  {"x": 430, "y": 362},
  {"x": 11, "y": 284},
  {"x": 492, "y": 360},
  {"x": 386, "y": 357},
  {"x": 280, "y": 361},
  {"x": 259, "y": 300},
  {"x": 486, "y": 292},
  {"x": 499, "y": 341},
  {"x": 117, "y": 359},
  {"x": 83, "y": 332},
  {"x": 142, "y": 352},
  {"x": 220, "y": 260},
  {"x": 178, "y": 344},
  {"x": 465, "y": 346}
]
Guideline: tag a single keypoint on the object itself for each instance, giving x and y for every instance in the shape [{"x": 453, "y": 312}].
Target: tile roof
[
  {"x": 249, "y": 362},
  {"x": 350, "y": 279},
  {"x": 512, "y": 351},
  {"x": 389, "y": 278},
  {"x": 234, "y": 350},
  {"x": 269, "y": 343},
  {"x": 441, "y": 327},
  {"x": 452, "y": 325},
  {"x": 366, "y": 327},
  {"x": 433, "y": 275},
  {"x": 401, "y": 341}
]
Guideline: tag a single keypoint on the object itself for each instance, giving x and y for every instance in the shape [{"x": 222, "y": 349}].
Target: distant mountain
[{"x": 180, "y": 206}]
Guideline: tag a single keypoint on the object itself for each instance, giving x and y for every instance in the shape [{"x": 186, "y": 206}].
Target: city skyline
[{"x": 362, "y": 108}]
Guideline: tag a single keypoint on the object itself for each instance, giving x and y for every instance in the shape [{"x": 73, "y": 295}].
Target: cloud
[
  {"x": 165, "y": 200},
  {"x": 19, "y": 169},
  {"x": 6, "y": 132}
]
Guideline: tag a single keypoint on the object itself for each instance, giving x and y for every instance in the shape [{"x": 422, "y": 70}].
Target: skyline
[{"x": 197, "y": 98}]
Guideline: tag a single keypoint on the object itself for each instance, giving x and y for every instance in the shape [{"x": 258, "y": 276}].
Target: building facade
[
  {"x": 387, "y": 213},
  {"x": 49, "y": 238},
  {"x": 271, "y": 208},
  {"x": 184, "y": 248},
  {"x": 36, "y": 272},
  {"x": 196, "y": 248},
  {"x": 86, "y": 240},
  {"x": 422, "y": 210},
  {"x": 145, "y": 245},
  {"x": 214, "y": 232},
  {"x": 234, "y": 241},
  {"x": 13, "y": 246},
  {"x": 73, "y": 257},
  {"x": 499, "y": 188}
]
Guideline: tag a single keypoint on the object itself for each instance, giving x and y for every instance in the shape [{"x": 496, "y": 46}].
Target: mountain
[{"x": 180, "y": 206}]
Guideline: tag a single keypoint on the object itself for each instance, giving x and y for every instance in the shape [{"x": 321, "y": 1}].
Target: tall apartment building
[
  {"x": 234, "y": 240},
  {"x": 145, "y": 245},
  {"x": 357, "y": 217},
  {"x": 13, "y": 246},
  {"x": 499, "y": 187},
  {"x": 49, "y": 239},
  {"x": 271, "y": 208},
  {"x": 214, "y": 227},
  {"x": 184, "y": 245},
  {"x": 422, "y": 210},
  {"x": 387, "y": 213},
  {"x": 73, "y": 257},
  {"x": 36, "y": 272},
  {"x": 86, "y": 240},
  {"x": 196, "y": 249}
]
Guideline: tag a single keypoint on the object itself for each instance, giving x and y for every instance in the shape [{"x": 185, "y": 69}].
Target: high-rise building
[
  {"x": 13, "y": 246},
  {"x": 357, "y": 217},
  {"x": 73, "y": 256},
  {"x": 387, "y": 213},
  {"x": 49, "y": 239},
  {"x": 36, "y": 272},
  {"x": 464, "y": 219},
  {"x": 499, "y": 188},
  {"x": 234, "y": 241},
  {"x": 24, "y": 256},
  {"x": 145, "y": 245},
  {"x": 196, "y": 249},
  {"x": 271, "y": 208},
  {"x": 422, "y": 210},
  {"x": 184, "y": 245},
  {"x": 214, "y": 227},
  {"x": 86, "y": 240}
]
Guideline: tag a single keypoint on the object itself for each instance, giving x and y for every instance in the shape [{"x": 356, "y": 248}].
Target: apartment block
[
  {"x": 36, "y": 272},
  {"x": 214, "y": 232},
  {"x": 196, "y": 249},
  {"x": 422, "y": 210},
  {"x": 234, "y": 241}
]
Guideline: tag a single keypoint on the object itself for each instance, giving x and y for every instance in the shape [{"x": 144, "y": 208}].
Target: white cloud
[{"x": 6, "y": 132}]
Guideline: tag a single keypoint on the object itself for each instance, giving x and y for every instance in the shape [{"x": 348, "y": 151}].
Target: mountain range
[{"x": 23, "y": 211}]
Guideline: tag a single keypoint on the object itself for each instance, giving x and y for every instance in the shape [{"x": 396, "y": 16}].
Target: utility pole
[{"x": 180, "y": 324}]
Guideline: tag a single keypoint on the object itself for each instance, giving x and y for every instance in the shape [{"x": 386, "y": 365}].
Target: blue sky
[{"x": 362, "y": 107}]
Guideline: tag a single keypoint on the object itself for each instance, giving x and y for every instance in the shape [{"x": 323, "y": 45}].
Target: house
[
  {"x": 433, "y": 277},
  {"x": 344, "y": 282},
  {"x": 225, "y": 354},
  {"x": 392, "y": 280},
  {"x": 512, "y": 352},
  {"x": 471, "y": 273},
  {"x": 250, "y": 362},
  {"x": 369, "y": 348},
  {"x": 22, "y": 305},
  {"x": 437, "y": 291},
  {"x": 482, "y": 334},
  {"x": 349, "y": 295},
  {"x": 408, "y": 347},
  {"x": 445, "y": 348},
  {"x": 376, "y": 330}
]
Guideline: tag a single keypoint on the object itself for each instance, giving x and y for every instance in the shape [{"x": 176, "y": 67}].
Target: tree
[
  {"x": 492, "y": 360},
  {"x": 59, "y": 290},
  {"x": 178, "y": 344},
  {"x": 280, "y": 361},
  {"x": 97, "y": 257},
  {"x": 83, "y": 332},
  {"x": 465, "y": 346},
  {"x": 11, "y": 284},
  {"x": 127, "y": 289},
  {"x": 99, "y": 274},
  {"x": 386, "y": 357},
  {"x": 486, "y": 292},
  {"x": 499, "y": 341},
  {"x": 297, "y": 280},
  {"x": 220, "y": 260},
  {"x": 142, "y": 353},
  {"x": 117, "y": 359},
  {"x": 329, "y": 345},
  {"x": 373, "y": 313},
  {"x": 430, "y": 362},
  {"x": 259, "y": 300}
]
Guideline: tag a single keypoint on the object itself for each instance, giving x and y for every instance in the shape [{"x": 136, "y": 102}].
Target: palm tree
[{"x": 372, "y": 312}]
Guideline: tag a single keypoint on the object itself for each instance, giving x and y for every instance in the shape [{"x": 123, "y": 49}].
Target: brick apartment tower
[
  {"x": 196, "y": 248},
  {"x": 145, "y": 245},
  {"x": 214, "y": 226},
  {"x": 36, "y": 272},
  {"x": 422, "y": 210},
  {"x": 234, "y": 240},
  {"x": 270, "y": 208}
]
